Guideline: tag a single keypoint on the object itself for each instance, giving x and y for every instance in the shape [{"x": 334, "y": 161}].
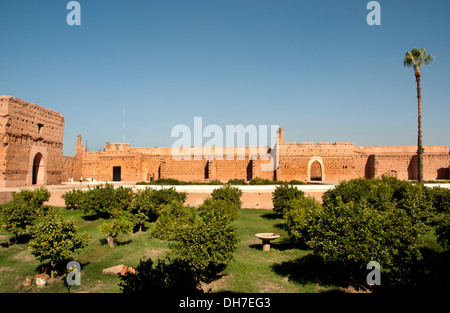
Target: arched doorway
[
  {"x": 38, "y": 170},
  {"x": 316, "y": 171}
]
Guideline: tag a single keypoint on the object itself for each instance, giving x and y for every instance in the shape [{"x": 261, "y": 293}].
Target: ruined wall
[
  {"x": 336, "y": 161},
  {"x": 31, "y": 144},
  {"x": 331, "y": 162},
  {"x": 401, "y": 161}
]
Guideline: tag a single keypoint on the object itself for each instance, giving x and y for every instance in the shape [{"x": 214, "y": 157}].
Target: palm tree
[{"x": 417, "y": 58}]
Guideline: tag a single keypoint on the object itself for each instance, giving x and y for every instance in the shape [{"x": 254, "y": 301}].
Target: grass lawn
[
  {"x": 253, "y": 270},
  {"x": 283, "y": 269}
]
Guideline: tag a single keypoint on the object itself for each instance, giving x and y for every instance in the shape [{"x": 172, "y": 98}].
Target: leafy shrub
[
  {"x": 73, "y": 198},
  {"x": 25, "y": 207},
  {"x": 383, "y": 192},
  {"x": 214, "y": 182},
  {"x": 207, "y": 245},
  {"x": 283, "y": 194},
  {"x": 300, "y": 215},
  {"x": 221, "y": 206},
  {"x": 354, "y": 233},
  {"x": 55, "y": 239},
  {"x": 168, "y": 181},
  {"x": 443, "y": 230},
  {"x": 149, "y": 202},
  {"x": 297, "y": 182},
  {"x": 101, "y": 201},
  {"x": 173, "y": 219},
  {"x": 357, "y": 189},
  {"x": 120, "y": 223},
  {"x": 441, "y": 202},
  {"x": 260, "y": 181},
  {"x": 237, "y": 181},
  {"x": 440, "y": 198},
  {"x": 228, "y": 193},
  {"x": 33, "y": 198},
  {"x": 364, "y": 220},
  {"x": 162, "y": 277}
]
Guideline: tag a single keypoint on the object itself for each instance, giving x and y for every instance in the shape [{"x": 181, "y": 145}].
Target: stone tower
[{"x": 30, "y": 144}]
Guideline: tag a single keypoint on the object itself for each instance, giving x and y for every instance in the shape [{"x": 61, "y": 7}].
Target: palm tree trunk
[{"x": 420, "y": 149}]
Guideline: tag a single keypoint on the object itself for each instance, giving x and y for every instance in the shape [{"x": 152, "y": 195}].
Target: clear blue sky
[{"x": 312, "y": 66}]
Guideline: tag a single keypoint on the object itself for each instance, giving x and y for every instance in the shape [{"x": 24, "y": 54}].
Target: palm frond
[
  {"x": 429, "y": 59},
  {"x": 416, "y": 58}
]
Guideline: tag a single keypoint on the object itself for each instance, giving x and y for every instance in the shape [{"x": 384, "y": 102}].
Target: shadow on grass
[
  {"x": 21, "y": 239},
  {"x": 117, "y": 242},
  {"x": 431, "y": 274},
  {"x": 311, "y": 269},
  {"x": 90, "y": 218},
  {"x": 281, "y": 245},
  {"x": 271, "y": 216}
]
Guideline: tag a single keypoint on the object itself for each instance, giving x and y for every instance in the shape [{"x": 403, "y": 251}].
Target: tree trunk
[
  {"x": 110, "y": 240},
  {"x": 51, "y": 269},
  {"x": 420, "y": 149}
]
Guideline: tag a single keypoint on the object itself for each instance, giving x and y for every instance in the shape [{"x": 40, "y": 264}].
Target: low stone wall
[{"x": 253, "y": 197}]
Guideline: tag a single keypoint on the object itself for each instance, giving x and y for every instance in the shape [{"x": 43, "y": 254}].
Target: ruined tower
[{"x": 31, "y": 141}]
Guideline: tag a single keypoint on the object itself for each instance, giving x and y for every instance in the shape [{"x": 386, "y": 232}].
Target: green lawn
[
  {"x": 253, "y": 270},
  {"x": 283, "y": 269}
]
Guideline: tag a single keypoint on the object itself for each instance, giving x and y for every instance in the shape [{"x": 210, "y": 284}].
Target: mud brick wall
[
  {"x": 435, "y": 166},
  {"x": 30, "y": 134},
  {"x": 303, "y": 162},
  {"x": 185, "y": 170}
]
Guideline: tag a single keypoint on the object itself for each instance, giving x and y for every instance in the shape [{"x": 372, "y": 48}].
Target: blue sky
[{"x": 315, "y": 68}]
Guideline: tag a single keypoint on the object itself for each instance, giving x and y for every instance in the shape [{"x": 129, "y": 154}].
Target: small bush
[
  {"x": 214, "y": 182},
  {"x": 443, "y": 230},
  {"x": 150, "y": 201},
  {"x": 364, "y": 220},
  {"x": 297, "y": 182},
  {"x": 33, "y": 198},
  {"x": 206, "y": 246},
  {"x": 120, "y": 223},
  {"x": 260, "y": 181},
  {"x": 300, "y": 216},
  {"x": 55, "y": 239},
  {"x": 25, "y": 207},
  {"x": 352, "y": 234},
  {"x": 162, "y": 277},
  {"x": 440, "y": 198},
  {"x": 102, "y": 201},
  {"x": 283, "y": 194},
  {"x": 221, "y": 206},
  {"x": 237, "y": 181},
  {"x": 228, "y": 193},
  {"x": 73, "y": 198},
  {"x": 173, "y": 219}
]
